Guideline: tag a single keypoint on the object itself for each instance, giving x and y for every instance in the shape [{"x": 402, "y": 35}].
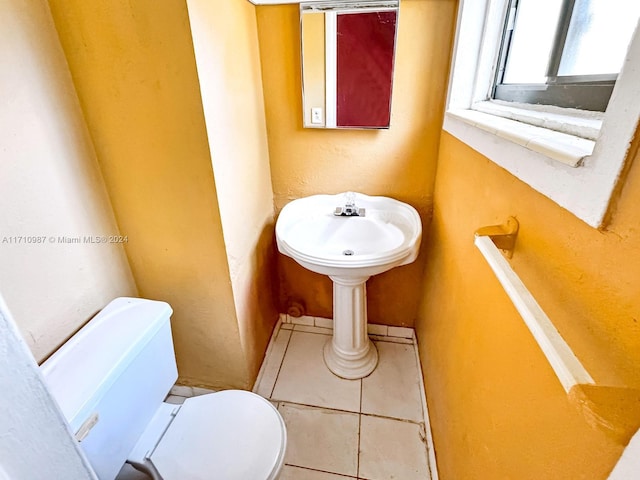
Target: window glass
[
  {"x": 598, "y": 36},
  {"x": 566, "y": 53},
  {"x": 532, "y": 41}
]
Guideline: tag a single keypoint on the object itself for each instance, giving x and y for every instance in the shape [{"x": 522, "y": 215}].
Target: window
[
  {"x": 564, "y": 52},
  {"x": 577, "y": 170}
]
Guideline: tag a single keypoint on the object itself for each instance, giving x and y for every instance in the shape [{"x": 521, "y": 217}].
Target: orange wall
[
  {"x": 225, "y": 39},
  {"x": 399, "y": 162},
  {"x": 134, "y": 68},
  {"x": 497, "y": 410}
]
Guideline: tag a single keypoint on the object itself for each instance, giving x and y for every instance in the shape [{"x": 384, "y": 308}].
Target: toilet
[{"x": 110, "y": 380}]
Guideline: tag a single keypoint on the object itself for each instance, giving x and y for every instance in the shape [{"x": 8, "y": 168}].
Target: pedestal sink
[{"x": 349, "y": 237}]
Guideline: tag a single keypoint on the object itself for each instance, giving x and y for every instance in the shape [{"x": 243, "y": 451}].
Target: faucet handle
[
  {"x": 349, "y": 209},
  {"x": 350, "y": 199}
]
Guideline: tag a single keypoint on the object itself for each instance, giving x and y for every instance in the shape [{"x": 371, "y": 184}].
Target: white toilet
[{"x": 110, "y": 380}]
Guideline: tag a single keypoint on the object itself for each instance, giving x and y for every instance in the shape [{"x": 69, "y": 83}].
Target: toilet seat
[{"x": 228, "y": 435}]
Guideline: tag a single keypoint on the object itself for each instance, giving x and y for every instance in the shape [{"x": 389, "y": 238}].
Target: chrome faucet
[{"x": 350, "y": 209}]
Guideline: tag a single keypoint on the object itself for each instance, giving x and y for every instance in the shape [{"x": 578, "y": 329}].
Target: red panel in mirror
[{"x": 365, "y": 47}]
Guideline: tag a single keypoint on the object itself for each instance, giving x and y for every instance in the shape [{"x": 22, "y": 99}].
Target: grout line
[
  {"x": 313, "y": 333},
  {"x": 321, "y": 471},
  {"x": 286, "y": 348},
  {"x": 385, "y": 417},
  {"x": 339, "y": 410},
  {"x": 381, "y": 338},
  {"x": 396, "y": 340},
  {"x": 312, "y": 329},
  {"x": 268, "y": 351},
  {"x": 359, "y": 431},
  {"x": 373, "y": 337},
  {"x": 431, "y": 451}
]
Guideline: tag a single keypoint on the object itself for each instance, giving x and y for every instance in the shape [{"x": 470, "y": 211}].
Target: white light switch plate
[{"x": 316, "y": 115}]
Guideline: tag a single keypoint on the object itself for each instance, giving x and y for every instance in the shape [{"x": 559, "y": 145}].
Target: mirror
[{"x": 348, "y": 52}]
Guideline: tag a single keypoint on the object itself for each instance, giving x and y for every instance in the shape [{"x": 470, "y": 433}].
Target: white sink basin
[
  {"x": 388, "y": 235},
  {"x": 349, "y": 249}
]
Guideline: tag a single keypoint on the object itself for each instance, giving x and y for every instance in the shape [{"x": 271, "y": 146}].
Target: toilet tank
[{"x": 111, "y": 376}]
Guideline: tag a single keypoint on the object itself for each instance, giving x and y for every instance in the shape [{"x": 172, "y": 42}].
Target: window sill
[
  {"x": 585, "y": 191},
  {"x": 561, "y": 147},
  {"x": 579, "y": 123}
]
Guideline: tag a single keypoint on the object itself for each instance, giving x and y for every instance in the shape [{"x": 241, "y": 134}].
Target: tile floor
[
  {"x": 339, "y": 429},
  {"x": 370, "y": 429}
]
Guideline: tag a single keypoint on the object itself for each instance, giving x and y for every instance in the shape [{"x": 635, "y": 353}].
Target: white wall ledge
[
  {"x": 579, "y": 123},
  {"x": 568, "y": 149}
]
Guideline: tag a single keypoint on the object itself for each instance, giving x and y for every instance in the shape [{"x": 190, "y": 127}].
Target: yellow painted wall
[
  {"x": 225, "y": 39},
  {"x": 51, "y": 187},
  {"x": 497, "y": 410},
  {"x": 399, "y": 162},
  {"x": 134, "y": 69}
]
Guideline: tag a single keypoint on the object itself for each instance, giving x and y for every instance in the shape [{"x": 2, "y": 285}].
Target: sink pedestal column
[{"x": 349, "y": 353}]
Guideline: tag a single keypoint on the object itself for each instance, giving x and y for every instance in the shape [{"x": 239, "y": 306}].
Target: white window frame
[{"x": 578, "y": 174}]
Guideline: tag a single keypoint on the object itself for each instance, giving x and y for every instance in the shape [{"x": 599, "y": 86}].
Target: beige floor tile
[
  {"x": 397, "y": 371},
  {"x": 197, "y": 391},
  {"x": 181, "y": 391},
  {"x": 175, "y": 399},
  {"x": 130, "y": 473},
  {"x": 290, "y": 472},
  {"x": 391, "y": 450},
  {"x": 272, "y": 364},
  {"x": 321, "y": 439},
  {"x": 304, "y": 378}
]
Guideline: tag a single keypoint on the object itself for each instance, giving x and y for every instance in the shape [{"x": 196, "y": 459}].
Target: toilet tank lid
[{"x": 79, "y": 372}]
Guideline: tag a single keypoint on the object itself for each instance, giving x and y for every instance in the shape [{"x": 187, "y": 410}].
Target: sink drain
[{"x": 348, "y": 252}]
